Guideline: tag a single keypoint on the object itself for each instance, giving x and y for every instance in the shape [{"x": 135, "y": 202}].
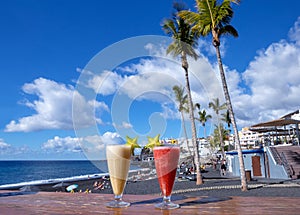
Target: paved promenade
[{"x": 18, "y": 203}]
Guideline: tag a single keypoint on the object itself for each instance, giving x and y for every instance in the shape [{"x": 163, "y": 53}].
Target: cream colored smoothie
[{"x": 118, "y": 160}]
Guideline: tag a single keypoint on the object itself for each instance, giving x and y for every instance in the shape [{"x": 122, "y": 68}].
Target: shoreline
[
  {"x": 144, "y": 182},
  {"x": 47, "y": 184}
]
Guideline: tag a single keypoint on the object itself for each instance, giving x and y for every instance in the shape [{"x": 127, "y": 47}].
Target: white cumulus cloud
[
  {"x": 94, "y": 144},
  {"x": 273, "y": 82},
  {"x": 294, "y": 33},
  {"x": 4, "y": 146},
  {"x": 105, "y": 83},
  {"x": 53, "y": 107},
  {"x": 267, "y": 89},
  {"x": 7, "y": 149},
  {"x": 65, "y": 144},
  {"x": 123, "y": 125}
]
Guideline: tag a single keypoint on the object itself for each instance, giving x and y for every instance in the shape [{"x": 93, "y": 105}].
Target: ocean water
[{"x": 35, "y": 172}]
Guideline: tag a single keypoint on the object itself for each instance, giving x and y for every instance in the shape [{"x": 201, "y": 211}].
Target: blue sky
[{"x": 93, "y": 63}]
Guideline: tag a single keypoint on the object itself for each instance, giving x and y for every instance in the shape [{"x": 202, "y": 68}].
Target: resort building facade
[{"x": 250, "y": 139}]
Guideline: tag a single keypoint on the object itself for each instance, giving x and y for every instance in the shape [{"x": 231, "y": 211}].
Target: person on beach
[
  {"x": 187, "y": 171},
  {"x": 99, "y": 184},
  {"x": 223, "y": 167},
  {"x": 214, "y": 163}
]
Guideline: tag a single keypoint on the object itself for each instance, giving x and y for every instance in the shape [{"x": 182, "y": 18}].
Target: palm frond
[
  {"x": 228, "y": 30},
  {"x": 211, "y": 16},
  {"x": 173, "y": 49},
  {"x": 169, "y": 27},
  {"x": 216, "y": 106},
  {"x": 233, "y": 1},
  {"x": 224, "y": 13},
  {"x": 203, "y": 117},
  {"x": 189, "y": 16},
  {"x": 185, "y": 40},
  {"x": 180, "y": 97}
]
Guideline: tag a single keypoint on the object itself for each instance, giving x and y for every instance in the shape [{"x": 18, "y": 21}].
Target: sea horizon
[
  {"x": 29, "y": 172},
  {"x": 16, "y": 173}
]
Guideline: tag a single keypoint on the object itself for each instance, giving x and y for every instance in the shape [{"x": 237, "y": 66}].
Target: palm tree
[
  {"x": 215, "y": 105},
  {"x": 198, "y": 106},
  {"x": 184, "y": 41},
  {"x": 203, "y": 117},
  {"x": 226, "y": 118},
  {"x": 214, "y": 18},
  {"x": 214, "y": 141},
  {"x": 216, "y": 135},
  {"x": 181, "y": 98}
]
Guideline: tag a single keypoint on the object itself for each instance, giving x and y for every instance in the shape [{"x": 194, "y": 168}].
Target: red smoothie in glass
[{"x": 166, "y": 161}]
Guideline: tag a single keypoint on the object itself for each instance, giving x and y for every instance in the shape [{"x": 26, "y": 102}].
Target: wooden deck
[{"x": 14, "y": 203}]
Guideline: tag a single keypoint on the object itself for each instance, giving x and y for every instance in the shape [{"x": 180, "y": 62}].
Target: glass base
[
  {"x": 117, "y": 203},
  {"x": 166, "y": 204}
]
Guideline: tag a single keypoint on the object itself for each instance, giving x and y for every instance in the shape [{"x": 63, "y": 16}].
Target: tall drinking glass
[
  {"x": 166, "y": 161},
  {"x": 118, "y": 160}
]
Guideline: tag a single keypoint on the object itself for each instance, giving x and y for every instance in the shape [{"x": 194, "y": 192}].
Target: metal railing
[
  {"x": 276, "y": 156},
  {"x": 288, "y": 168}
]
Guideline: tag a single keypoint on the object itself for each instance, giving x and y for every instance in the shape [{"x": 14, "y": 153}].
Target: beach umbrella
[{"x": 72, "y": 187}]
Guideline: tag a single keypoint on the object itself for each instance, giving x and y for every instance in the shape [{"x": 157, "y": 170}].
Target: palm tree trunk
[
  {"x": 192, "y": 118},
  {"x": 221, "y": 137},
  {"x": 230, "y": 109},
  {"x": 187, "y": 140},
  {"x": 185, "y": 134}
]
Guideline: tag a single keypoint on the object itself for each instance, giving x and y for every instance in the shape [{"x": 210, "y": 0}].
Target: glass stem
[
  {"x": 118, "y": 198},
  {"x": 167, "y": 199}
]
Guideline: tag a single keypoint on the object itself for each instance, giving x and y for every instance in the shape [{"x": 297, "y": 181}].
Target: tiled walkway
[{"x": 14, "y": 203}]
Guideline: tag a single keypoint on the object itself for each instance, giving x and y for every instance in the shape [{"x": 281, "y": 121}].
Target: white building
[
  {"x": 249, "y": 139},
  {"x": 205, "y": 151}
]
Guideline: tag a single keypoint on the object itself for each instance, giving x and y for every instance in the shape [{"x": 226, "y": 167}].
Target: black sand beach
[{"x": 214, "y": 186}]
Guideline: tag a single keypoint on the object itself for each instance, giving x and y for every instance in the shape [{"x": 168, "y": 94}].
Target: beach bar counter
[{"x": 57, "y": 203}]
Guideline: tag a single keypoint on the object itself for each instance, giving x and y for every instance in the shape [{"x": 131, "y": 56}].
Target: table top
[{"x": 12, "y": 202}]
